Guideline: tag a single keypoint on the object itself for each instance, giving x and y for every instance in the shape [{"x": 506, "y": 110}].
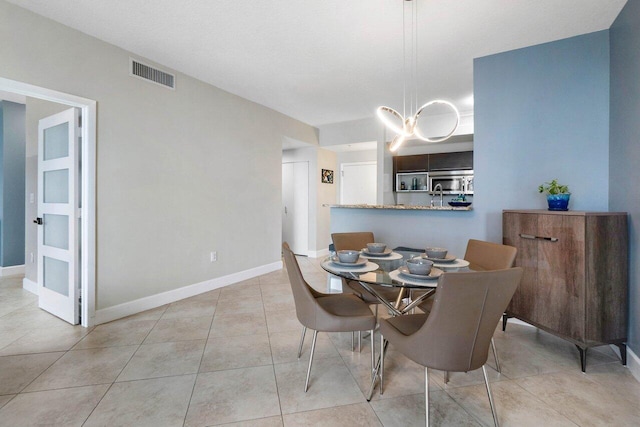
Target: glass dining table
[{"x": 374, "y": 276}]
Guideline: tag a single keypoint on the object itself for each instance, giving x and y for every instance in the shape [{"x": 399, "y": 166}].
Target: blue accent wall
[
  {"x": 12, "y": 183},
  {"x": 542, "y": 112},
  {"x": 624, "y": 148}
]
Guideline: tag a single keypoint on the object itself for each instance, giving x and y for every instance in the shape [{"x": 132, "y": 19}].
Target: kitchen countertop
[{"x": 403, "y": 207}]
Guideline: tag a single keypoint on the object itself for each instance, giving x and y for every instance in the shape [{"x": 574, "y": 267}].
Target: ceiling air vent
[{"x": 143, "y": 71}]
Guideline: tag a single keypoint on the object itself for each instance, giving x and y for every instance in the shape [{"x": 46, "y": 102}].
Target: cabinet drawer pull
[{"x": 532, "y": 237}]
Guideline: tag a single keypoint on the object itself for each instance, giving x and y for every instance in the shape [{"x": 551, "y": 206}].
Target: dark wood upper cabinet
[
  {"x": 416, "y": 163},
  {"x": 462, "y": 160}
]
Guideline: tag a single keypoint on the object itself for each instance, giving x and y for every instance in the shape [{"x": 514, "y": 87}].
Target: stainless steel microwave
[{"x": 451, "y": 182}]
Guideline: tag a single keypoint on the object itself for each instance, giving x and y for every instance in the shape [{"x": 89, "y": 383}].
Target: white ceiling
[{"x": 326, "y": 61}]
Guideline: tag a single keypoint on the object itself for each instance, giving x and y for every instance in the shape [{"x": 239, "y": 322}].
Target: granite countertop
[{"x": 403, "y": 207}]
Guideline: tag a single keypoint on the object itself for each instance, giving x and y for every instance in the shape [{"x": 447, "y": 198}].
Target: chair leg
[
  {"x": 381, "y": 363},
  {"x": 359, "y": 342},
  {"x": 426, "y": 395},
  {"x": 313, "y": 349},
  {"x": 304, "y": 331},
  {"x": 493, "y": 409},
  {"x": 446, "y": 377},
  {"x": 353, "y": 342},
  {"x": 495, "y": 355},
  {"x": 373, "y": 352}
]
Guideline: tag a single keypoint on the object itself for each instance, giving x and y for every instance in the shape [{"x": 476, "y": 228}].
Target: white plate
[
  {"x": 448, "y": 258},
  {"x": 433, "y": 274},
  {"x": 386, "y": 252},
  {"x": 359, "y": 263}
]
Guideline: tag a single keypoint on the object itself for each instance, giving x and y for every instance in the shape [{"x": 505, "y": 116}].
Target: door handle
[
  {"x": 38, "y": 221},
  {"x": 531, "y": 237},
  {"x": 285, "y": 210}
]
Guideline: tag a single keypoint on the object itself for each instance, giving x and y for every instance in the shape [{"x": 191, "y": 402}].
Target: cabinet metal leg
[
  {"x": 623, "y": 353},
  {"x": 583, "y": 357},
  {"x": 504, "y": 321}
]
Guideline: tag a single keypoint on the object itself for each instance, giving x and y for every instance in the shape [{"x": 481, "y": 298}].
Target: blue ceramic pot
[{"x": 558, "y": 202}]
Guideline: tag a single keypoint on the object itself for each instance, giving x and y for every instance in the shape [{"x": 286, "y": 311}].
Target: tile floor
[{"x": 228, "y": 357}]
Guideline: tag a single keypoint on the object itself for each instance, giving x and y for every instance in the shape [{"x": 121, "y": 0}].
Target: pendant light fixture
[{"x": 406, "y": 125}]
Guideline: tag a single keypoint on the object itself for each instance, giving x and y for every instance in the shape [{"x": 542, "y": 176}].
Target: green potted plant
[{"x": 557, "y": 195}]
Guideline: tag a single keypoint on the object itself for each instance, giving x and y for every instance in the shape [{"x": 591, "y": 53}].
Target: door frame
[{"x": 88, "y": 179}]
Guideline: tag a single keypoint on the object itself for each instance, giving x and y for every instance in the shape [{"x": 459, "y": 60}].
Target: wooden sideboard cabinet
[{"x": 575, "y": 275}]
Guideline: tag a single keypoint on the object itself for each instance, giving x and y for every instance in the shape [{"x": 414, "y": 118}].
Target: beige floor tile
[
  {"x": 283, "y": 320},
  {"x": 65, "y": 407},
  {"x": 262, "y": 422},
  {"x": 514, "y": 406},
  {"x": 236, "y": 324},
  {"x": 278, "y": 301},
  {"x": 31, "y": 318},
  {"x": 341, "y": 416},
  {"x": 274, "y": 278},
  {"x": 164, "y": 360},
  {"x": 579, "y": 397},
  {"x": 5, "y": 399},
  {"x": 16, "y": 372},
  {"x": 182, "y": 329},
  {"x": 118, "y": 333},
  {"x": 8, "y": 336},
  {"x": 190, "y": 308},
  {"x": 284, "y": 346},
  {"x": 152, "y": 402},
  {"x": 408, "y": 411},
  {"x": 234, "y": 395},
  {"x": 207, "y": 296},
  {"x": 236, "y": 352},
  {"x": 235, "y": 292},
  {"x": 330, "y": 385},
  {"x": 283, "y": 288},
  {"x": 240, "y": 305},
  {"x": 84, "y": 367},
  {"x": 46, "y": 340},
  {"x": 153, "y": 314},
  {"x": 519, "y": 359}
]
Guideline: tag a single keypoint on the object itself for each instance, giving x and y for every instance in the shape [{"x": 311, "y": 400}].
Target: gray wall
[
  {"x": 12, "y": 170},
  {"x": 179, "y": 173},
  {"x": 624, "y": 146},
  {"x": 541, "y": 113}
]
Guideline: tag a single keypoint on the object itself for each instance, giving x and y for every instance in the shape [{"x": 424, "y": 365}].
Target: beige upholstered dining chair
[
  {"x": 456, "y": 334},
  {"x": 484, "y": 256},
  {"x": 325, "y": 312}
]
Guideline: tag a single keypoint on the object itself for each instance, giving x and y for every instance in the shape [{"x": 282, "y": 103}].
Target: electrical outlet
[{"x": 214, "y": 256}]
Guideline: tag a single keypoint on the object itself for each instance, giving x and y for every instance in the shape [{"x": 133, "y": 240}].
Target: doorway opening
[{"x": 86, "y": 269}]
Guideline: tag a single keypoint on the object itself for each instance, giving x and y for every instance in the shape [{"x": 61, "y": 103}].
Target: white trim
[
  {"x": 132, "y": 307},
  {"x": 88, "y": 210},
  {"x": 31, "y": 286},
  {"x": 633, "y": 363},
  {"x": 13, "y": 270}
]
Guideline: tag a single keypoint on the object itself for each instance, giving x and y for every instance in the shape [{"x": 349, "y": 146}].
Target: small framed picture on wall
[{"x": 327, "y": 176}]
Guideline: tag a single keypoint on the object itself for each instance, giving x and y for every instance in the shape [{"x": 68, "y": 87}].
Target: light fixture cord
[{"x": 404, "y": 62}]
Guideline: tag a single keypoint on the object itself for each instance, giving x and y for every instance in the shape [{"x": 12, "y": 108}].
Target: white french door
[{"x": 58, "y": 215}]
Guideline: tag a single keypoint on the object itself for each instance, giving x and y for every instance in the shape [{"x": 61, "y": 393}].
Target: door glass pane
[
  {"x": 56, "y": 231},
  {"x": 56, "y": 275},
  {"x": 56, "y": 186},
  {"x": 56, "y": 141}
]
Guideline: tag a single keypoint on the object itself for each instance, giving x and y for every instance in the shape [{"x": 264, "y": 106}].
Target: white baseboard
[
  {"x": 119, "y": 311},
  {"x": 30, "y": 285},
  {"x": 13, "y": 270},
  {"x": 320, "y": 253},
  {"x": 633, "y": 363}
]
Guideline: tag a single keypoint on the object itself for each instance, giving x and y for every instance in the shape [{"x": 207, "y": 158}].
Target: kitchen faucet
[{"x": 441, "y": 192}]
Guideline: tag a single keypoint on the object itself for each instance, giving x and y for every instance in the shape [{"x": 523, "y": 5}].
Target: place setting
[
  {"x": 443, "y": 260},
  {"x": 417, "y": 271},
  {"x": 349, "y": 261},
  {"x": 379, "y": 251}
]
